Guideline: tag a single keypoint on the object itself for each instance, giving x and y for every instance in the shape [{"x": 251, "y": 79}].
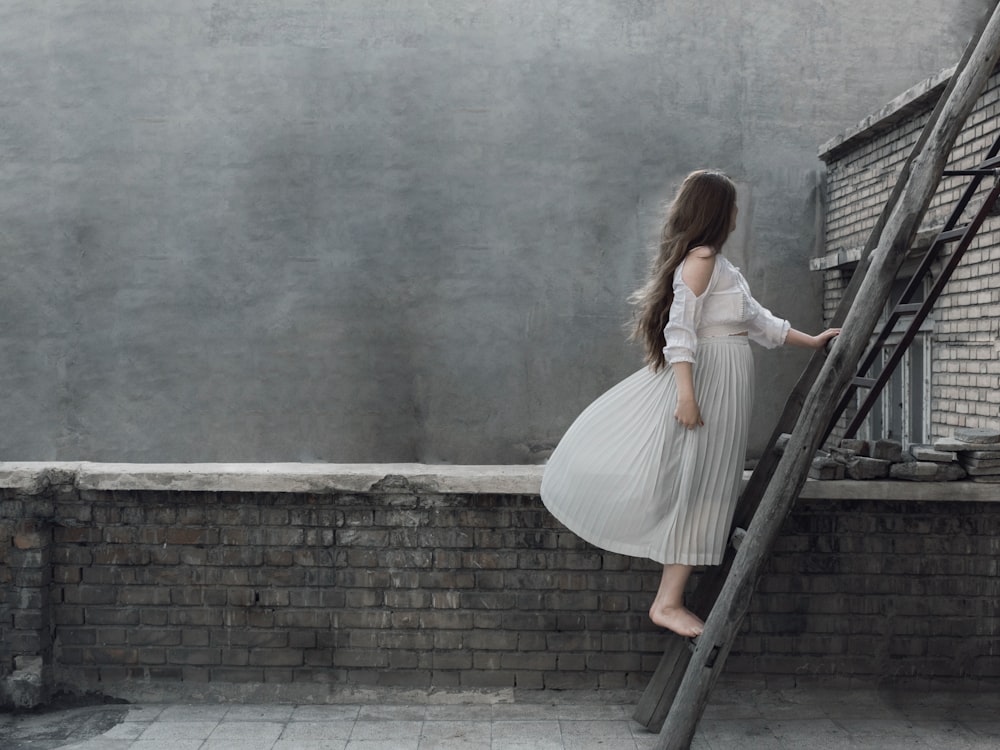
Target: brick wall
[
  {"x": 879, "y": 591},
  {"x": 861, "y": 172},
  {"x": 311, "y": 593}
]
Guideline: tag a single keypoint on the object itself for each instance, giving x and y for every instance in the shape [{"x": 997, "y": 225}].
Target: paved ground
[{"x": 741, "y": 719}]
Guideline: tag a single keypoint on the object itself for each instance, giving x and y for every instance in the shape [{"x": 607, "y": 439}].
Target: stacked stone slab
[
  {"x": 978, "y": 452},
  {"x": 885, "y": 459}
]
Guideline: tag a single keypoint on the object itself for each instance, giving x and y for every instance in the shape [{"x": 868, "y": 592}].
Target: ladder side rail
[
  {"x": 927, "y": 261},
  {"x": 969, "y": 193}
]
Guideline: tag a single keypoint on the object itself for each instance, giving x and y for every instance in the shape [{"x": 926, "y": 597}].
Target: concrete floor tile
[
  {"x": 251, "y": 730},
  {"x": 459, "y": 713},
  {"x": 950, "y": 734},
  {"x": 599, "y": 729},
  {"x": 832, "y": 743},
  {"x": 590, "y": 713},
  {"x": 525, "y": 712},
  {"x": 392, "y": 713},
  {"x": 128, "y": 730},
  {"x": 472, "y": 731},
  {"x": 317, "y": 730},
  {"x": 259, "y": 713},
  {"x": 99, "y": 743},
  {"x": 792, "y": 711},
  {"x": 213, "y": 712},
  {"x": 980, "y": 743},
  {"x": 426, "y": 744},
  {"x": 397, "y": 743},
  {"x": 325, "y": 713},
  {"x": 748, "y": 733},
  {"x": 526, "y": 731},
  {"x": 862, "y": 728},
  {"x": 386, "y": 730},
  {"x": 806, "y": 729},
  {"x": 646, "y": 743},
  {"x": 328, "y": 744},
  {"x": 179, "y": 730},
  {"x": 145, "y": 712},
  {"x": 527, "y": 735},
  {"x": 731, "y": 711},
  {"x": 885, "y": 723},
  {"x": 246, "y": 743},
  {"x": 166, "y": 744},
  {"x": 886, "y": 742},
  {"x": 983, "y": 728}
]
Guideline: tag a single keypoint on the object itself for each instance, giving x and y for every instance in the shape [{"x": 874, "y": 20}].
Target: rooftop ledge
[
  {"x": 841, "y": 257},
  {"x": 35, "y": 477},
  {"x": 923, "y": 96}
]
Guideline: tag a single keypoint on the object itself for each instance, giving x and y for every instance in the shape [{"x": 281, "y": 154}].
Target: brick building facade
[{"x": 951, "y": 375}]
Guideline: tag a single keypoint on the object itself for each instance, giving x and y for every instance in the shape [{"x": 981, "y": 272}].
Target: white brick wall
[{"x": 965, "y": 363}]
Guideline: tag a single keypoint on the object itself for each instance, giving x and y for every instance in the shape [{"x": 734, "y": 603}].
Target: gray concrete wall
[{"x": 392, "y": 231}]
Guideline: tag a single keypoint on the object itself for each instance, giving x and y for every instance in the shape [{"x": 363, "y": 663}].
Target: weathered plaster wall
[{"x": 391, "y": 231}]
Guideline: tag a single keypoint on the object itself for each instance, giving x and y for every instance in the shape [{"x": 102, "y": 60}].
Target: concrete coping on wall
[
  {"x": 841, "y": 257},
  {"x": 920, "y": 97},
  {"x": 309, "y": 478}
]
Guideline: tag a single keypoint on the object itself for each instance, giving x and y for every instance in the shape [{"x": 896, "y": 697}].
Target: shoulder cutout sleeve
[{"x": 680, "y": 332}]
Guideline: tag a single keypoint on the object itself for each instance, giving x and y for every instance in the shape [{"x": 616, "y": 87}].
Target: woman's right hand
[
  {"x": 688, "y": 414},
  {"x": 822, "y": 338}
]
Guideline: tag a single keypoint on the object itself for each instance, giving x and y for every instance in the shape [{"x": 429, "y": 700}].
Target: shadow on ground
[{"x": 67, "y": 718}]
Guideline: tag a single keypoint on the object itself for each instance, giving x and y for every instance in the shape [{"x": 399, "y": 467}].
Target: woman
[{"x": 653, "y": 467}]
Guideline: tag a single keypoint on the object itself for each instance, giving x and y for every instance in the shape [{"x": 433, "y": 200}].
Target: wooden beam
[{"x": 901, "y": 226}]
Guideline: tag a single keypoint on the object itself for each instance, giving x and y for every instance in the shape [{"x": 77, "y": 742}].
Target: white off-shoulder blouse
[{"x": 725, "y": 308}]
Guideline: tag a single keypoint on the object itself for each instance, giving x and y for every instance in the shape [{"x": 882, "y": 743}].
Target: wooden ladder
[{"x": 678, "y": 691}]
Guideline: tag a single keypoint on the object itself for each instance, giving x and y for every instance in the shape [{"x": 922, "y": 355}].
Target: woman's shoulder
[
  {"x": 697, "y": 269},
  {"x": 702, "y": 257},
  {"x": 702, "y": 252}
]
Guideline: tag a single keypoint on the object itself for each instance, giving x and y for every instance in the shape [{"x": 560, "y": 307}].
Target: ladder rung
[
  {"x": 952, "y": 234},
  {"x": 738, "y": 536},
  {"x": 988, "y": 163},
  {"x": 969, "y": 172},
  {"x": 863, "y": 382},
  {"x": 909, "y": 308}
]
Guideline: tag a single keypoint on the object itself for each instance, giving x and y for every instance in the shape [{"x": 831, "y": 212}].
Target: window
[{"x": 902, "y": 411}]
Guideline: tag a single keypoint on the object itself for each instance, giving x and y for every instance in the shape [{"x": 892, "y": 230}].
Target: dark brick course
[{"x": 466, "y": 591}]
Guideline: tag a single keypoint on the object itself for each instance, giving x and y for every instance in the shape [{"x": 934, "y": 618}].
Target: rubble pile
[
  {"x": 971, "y": 452},
  {"x": 978, "y": 453}
]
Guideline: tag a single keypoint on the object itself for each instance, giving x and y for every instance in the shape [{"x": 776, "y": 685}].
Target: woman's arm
[
  {"x": 695, "y": 275},
  {"x": 687, "y": 412},
  {"x": 797, "y": 338}
]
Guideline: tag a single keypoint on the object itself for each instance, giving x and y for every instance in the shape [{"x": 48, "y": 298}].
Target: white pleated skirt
[{"x": 628, "y": 478}]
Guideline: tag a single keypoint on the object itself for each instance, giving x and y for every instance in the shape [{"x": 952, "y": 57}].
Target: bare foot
[{"x": 678, "y": 619}]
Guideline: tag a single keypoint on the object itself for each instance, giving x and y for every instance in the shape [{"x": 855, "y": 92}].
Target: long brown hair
[{"x": 700, "y": 214}]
